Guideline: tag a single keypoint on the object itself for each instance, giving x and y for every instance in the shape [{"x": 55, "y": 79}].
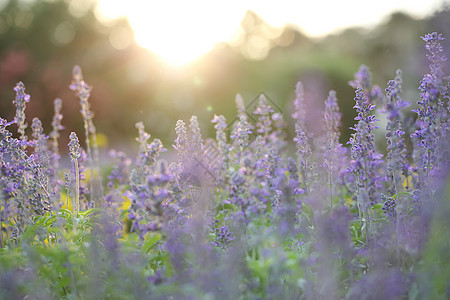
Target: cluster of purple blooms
[{"x": 243, "y": 203}]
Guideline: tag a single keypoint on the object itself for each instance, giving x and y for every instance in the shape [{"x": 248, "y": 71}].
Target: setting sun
[
  {"x": 176, "y": 36},
  {"x": 180, "y": 32}
]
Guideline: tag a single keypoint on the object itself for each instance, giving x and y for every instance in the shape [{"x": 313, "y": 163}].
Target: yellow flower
[
  {"x": 126, "y": 203},
  {"x": 407, "y": 182},
  {"x": 349, "y": 200},
  {"x": 65, "y": 201},
  {"x": 102, "y": 140}
]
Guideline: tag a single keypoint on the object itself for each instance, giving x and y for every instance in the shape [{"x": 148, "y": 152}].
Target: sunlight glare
[{"x": 179, "y": 32}]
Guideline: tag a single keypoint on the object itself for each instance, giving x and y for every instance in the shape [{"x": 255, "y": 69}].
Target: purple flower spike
[
  {"x": 74, "y": 146},
  {"x": 365, "y": 160},
  {"x": 397, "y": 153},
  {"x": 333, "y": 150},
  {"x": 432, "y": 121},
  {"x": 435, "y": 56},
  {"x": 299, "y": 114},
  {"x": 20, "y": 102},
  {"x": 363, "y": 79}
]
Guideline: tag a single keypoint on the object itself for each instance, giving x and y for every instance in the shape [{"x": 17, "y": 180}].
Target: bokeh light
[{"x": 179, "y": 32}]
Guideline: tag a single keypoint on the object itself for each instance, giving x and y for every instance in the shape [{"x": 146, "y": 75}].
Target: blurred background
[{"x": 157, "y": 61}]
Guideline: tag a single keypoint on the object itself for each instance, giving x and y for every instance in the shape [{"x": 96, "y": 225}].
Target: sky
[{"x": 180, "y": 31}]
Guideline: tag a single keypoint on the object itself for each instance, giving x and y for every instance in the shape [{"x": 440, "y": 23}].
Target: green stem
[
  {"x": 1, "y": 234},
  {"x": 398, "y": 209},
  {"x": 67, "y": 200},
  {"x": 330, "y": 182},
  {"x": 429, "y": 176},
  {"x": 91, "y": 163},
  {"x": 77, "y": 187}
]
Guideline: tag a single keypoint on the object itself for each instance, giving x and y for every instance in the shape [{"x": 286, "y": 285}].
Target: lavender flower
[
  {"x": 83, "y": 92},
  {"x": 221, "y": 136},
  {"x": 148, "y": 200},
  {"x": 223, "y": 235},
  {"x": 389, "y": 208},
  {"x": 397, "y": 153},
  {"x": 148, "y": 186},
  {"x": 332, "y": 120},
  {"x": 363, "y": 80},
  {"x": 333, "y": 149},
  {"x": 33, "y": 171},
  {"x": 437, "y": 59},
  {"x": 365, "y": 160},
  {"x": 56, "y": 125},
  {"x": 278, "y": 246},
  {"x": 263, "y": 111},
  {"x": 47, "y": 175},
  {"x": 120, "y": 173},
  {"x": 181, "y": 142},
  {"x": 334, "y": 247},
  {"x": 432, "y": 122},
  {"x": 24, "y": 192},
  {"x": 74, "y": 146},
  {"x": 86, "y": 202},
  {"x": 238, "y": 197},
  {"x": 196, "y": 142},
  {"x": 118, "y": 178},
  {"x": 299, "y": 114},
  {"x": 20, "y": 102},
  {"x": 5, "y": 136},
  {"x": 304, "y": 153},
  {"x": 223, "y": 157},
  {"x": 293, "y": 180},
  {"x": 40, "y": 142},
  {"x": 148, "y": 153},
  {"x": 278, "y": 136},
  {"x": 241, "y": 136},
  {"x": 74, "y": 152},
  {"x": 143, "y": 136}
]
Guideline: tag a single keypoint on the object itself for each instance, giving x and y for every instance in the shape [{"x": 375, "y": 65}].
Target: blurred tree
[{"x": 40, "y": 41}]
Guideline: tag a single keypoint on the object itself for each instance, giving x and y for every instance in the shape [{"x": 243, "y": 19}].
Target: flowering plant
[{"x": 238, "y": 216}]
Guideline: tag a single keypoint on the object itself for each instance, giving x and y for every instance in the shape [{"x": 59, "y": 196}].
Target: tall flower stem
[
  {"x": 332, "y": 146},
  {"x": 330, "y": 183},
  {"x": 77, "y": 187},
  {"x": 20, "y": 102},
  {"x": 83, "y": 92},
  {"x": 365, "y": 160},
  {"x": 74, "y": 151},
  {"x": 56, "y": 125},
  {"x": 397, "y": 161},
  {"x": 432, "y": 121}
]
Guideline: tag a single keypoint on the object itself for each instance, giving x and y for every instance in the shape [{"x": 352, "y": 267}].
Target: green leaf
[
  {"x": 151, "y": 241},
  {"x": 377, "y": 206},
  {"x": 90, "y": 211}
]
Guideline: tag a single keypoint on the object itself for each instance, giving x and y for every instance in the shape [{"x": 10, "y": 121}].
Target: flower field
[{"x": 248, "y": 214}]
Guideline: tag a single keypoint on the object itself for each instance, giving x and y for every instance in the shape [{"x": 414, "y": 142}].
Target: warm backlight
[
  {"x": 181, "y": 31},
  {"x": 178, "y": 31}
]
